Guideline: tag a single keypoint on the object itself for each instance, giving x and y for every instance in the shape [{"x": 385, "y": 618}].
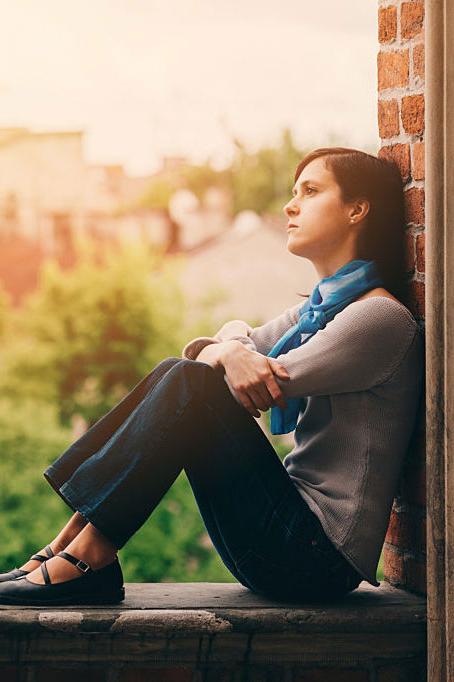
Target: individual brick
[
  {"x": 414, "y": 205},
  {"x": 421, "y": 252},
  {"x": 395, "y": 533},
  {"x": 417, "y": 171},
  {"x": 411, "y": 19},
  {"x": 388, "y": 118},
  {"x": 387, "y": 24},
  {"x": 412, "y": 114},
  {"x": 406, "y": 530},
  {"x": 393, "y": 69},
  {"x": 416, "y": 304},
  {"x": 418, "y": 61},
  {"x": 393, "y": 566}
]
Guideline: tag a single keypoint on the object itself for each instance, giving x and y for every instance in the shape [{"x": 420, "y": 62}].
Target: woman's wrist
[{"x": 216, "y": 354}]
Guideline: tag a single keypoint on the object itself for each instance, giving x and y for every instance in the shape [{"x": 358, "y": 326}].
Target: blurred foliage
[
  {"x": 262, "y": 180},
  {"x": 197, "y": 178},
  {"x": 163, "y": 549},
  {"x": 256, "y": 180},
  {"x": 88, "y": 333},
  {"x": 159, "y": 193},
  {"x": 78, "y": 344},
  {"x": 5, "y": 314},
  {"x": 30, "y": 438}
]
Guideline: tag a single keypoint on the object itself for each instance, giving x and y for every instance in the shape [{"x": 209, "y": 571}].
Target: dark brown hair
[{"x": 362, "y": 175}]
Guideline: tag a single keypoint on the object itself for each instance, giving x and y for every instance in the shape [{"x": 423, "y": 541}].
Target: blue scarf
[{"x": 329, "y": 296}]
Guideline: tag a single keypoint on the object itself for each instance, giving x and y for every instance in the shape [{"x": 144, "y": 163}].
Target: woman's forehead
[{"x": 315, "y": 172}]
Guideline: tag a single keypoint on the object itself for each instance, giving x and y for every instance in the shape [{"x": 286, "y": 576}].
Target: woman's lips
[{"x": 291, "y": 227}]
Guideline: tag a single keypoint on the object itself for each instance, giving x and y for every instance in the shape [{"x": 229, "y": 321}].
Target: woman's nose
[{"x": 290, "y": 208}]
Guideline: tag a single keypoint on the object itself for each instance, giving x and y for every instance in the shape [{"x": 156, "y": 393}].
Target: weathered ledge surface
[{"x": 201, "y": 623}]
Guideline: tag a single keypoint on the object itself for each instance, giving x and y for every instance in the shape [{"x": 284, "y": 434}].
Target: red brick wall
[{"x": 400, "y": 64}]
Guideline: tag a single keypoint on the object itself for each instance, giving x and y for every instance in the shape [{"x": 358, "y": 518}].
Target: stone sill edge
[{"x": 183, "y": 622}]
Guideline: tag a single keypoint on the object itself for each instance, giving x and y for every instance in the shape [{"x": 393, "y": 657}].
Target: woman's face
[{"x": 319, "y": 222}]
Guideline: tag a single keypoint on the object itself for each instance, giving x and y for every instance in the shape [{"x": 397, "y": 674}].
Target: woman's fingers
[
  {"x": 247, "y": 403},
  {"x": 254, "y": 381},
  {"x": 275, "y": 391},
  {"x": 267, "y": 395},
  {"x": 261, "y": 397}
]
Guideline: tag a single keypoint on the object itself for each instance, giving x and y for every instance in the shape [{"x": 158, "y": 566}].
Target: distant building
[
  {"x": 49, "y": 194},
  {"x": 248, "y": 269}
]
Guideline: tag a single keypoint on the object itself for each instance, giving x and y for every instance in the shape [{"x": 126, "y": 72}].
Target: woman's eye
[{"x": 308, "y": 189}]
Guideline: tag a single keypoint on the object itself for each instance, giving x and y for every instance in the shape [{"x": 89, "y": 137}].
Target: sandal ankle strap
[
  {"x": 41, "y": 557},
  {"x": 78, "y": 563}
]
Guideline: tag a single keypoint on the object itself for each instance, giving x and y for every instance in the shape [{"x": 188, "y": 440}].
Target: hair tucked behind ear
[{"x": 362, "y": 175}]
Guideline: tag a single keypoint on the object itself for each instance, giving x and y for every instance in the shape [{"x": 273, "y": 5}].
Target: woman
[{"x": 343, "y": 371}]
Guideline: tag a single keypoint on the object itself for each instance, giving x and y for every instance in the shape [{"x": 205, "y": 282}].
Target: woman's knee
[
  {"x": 199, "y": 376},
  {"x": 169, "y": 362}
]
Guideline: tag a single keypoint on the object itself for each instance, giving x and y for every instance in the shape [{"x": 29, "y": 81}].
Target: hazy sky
[{"x": 151, "y": 77}]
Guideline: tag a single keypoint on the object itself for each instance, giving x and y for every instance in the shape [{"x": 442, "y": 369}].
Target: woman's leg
[
  {"x": 89, "y": 443},
  {"x": 260, "y": 525},
  {"x": 258, "y": 522},
  {"x": 98, "y": 434}
]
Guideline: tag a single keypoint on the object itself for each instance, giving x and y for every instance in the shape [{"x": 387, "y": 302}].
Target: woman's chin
[{"x": 296, "y": 249}]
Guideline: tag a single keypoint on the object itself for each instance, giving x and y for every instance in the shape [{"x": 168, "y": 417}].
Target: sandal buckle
[{"x": 84, "y": 567}]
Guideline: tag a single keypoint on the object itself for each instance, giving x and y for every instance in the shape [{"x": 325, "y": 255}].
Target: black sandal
[
  {"x": 19, "y": 572},
  {"x": 101, "y": 586}
]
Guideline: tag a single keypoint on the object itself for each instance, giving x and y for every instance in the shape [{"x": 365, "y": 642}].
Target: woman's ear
[{"x": 359, "y": 210}]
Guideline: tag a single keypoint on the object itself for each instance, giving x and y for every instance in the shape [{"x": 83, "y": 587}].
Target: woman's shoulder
[{"x": 382, "y": 302}]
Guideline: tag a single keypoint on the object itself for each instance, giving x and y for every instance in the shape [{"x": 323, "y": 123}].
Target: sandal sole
[{"x": 113, "y": 598}]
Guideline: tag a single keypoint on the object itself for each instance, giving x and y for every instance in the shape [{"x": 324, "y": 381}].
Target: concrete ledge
[{"x": 215, "y": 623}]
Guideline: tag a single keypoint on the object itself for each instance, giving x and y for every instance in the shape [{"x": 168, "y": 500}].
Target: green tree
[
  {"x": 262, "y": 180},
  {"x": 31, "y": 437},
  {"x": 257, "y": 180},
  {"x": 159, "y": 193},
  {"x": 79, "y": 344},
  {"x": 5, "y": 313},
  {"x": 90, "y": 333},
  {"x": 31, "y": 513}
]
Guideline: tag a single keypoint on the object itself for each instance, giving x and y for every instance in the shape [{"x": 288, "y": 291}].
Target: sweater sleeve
[
  {"x": 359, "y": 348},
  {"x": 260, "y": 339}
]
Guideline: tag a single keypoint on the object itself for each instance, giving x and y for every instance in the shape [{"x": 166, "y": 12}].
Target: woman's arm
[
  {"x": 260, "y": 339},
  {"x": 361, "y": 347}
]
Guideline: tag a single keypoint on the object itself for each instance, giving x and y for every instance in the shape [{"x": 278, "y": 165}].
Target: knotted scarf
[{"x": 329, "y": 296}]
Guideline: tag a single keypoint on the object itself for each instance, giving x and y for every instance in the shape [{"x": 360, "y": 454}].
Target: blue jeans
[{"x": 183, "y": 416}]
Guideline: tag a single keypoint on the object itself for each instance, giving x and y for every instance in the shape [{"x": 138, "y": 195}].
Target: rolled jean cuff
[
  {"x": 51, "y": 478},
  {"x": 69, "y": 496}
]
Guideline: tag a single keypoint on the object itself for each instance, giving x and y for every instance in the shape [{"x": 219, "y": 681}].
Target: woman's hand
[{"x": 252, "y": 376}]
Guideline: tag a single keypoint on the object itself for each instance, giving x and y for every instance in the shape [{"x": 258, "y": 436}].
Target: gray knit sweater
[{"x": 360, "y": 381}]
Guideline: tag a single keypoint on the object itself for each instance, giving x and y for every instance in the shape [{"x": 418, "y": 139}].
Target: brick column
[{"x": 400, "y": 64}]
